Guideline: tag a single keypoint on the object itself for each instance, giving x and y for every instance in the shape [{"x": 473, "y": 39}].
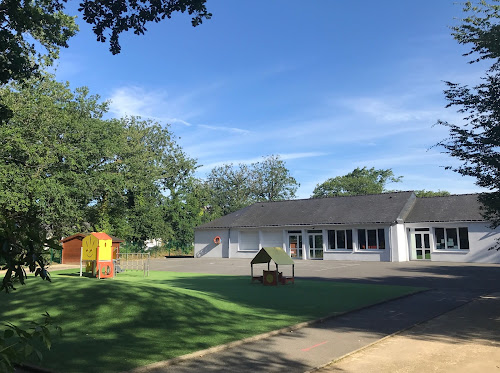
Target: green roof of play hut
[{"x": 276, "y": 254}]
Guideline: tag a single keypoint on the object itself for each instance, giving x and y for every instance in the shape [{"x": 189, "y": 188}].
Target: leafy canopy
[
  {"x": 359, "y": 181},
  {"x": 65, "y": 169},
  {"x": 234, "y": 187},
  {"x": 477, "y": 143}
]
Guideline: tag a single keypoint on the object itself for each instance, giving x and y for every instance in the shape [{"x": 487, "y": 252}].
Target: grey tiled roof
[
  {"x": 461, "y": 207},
  {"x": 365, "y": 209}
]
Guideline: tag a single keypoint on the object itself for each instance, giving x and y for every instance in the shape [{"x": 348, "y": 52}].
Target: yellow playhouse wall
[
  {"x": 105, "y": 250},
  {"x": 89, "y": 245}
]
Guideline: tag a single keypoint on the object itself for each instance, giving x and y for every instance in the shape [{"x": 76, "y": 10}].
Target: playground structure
[
  {"x": 97, "y": 253},
  {"x": 133, "y": 261},
  {"x": 279, "y": 257}
]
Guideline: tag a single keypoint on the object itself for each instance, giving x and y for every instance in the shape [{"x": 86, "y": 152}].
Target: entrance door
[
  {"x": 420, "y": 245},
  {"x": 295, "y": 245},
  {"x": 315, "y": 245}
]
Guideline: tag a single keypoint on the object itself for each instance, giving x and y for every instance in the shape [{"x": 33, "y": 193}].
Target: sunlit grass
[{"x": 117, "y": 324}]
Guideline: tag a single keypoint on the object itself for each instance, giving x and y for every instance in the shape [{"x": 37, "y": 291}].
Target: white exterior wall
[
  {"x": 481, "y": 237},
  {"x": 399, "y": 243},
  {"x": 244, "y": 251},
  {"x": 397, "y": 238},
  {"x": 205, "y": 246},
  {"x": 366, "y": 255}
]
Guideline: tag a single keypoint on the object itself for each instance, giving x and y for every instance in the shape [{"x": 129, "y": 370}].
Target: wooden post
[{"x": 81, "y": 258}]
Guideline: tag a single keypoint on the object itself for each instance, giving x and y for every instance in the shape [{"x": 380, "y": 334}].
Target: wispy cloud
[
  {"x": 284, "y": 157},
  {"x": 225, "y": 129},
  {"x": 386, "y": 110},
  {"x": 154, "y": 104}
]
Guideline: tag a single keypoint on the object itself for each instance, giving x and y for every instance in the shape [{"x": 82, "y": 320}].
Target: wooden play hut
[
  {"x": 72, "y": 246},
  {"x": 273, "y": 277}
]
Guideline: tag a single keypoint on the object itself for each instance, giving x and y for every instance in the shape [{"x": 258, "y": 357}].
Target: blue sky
[{"x": 328, "y": 85}]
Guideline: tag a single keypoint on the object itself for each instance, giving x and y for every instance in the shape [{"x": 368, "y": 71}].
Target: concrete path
[
  {"x": 461, "y": 341},
  {"x": 307, "y": 348}
]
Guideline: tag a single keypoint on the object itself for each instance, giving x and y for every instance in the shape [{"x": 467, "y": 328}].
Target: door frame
[
  {"x": 417, "y": 238},
  {"x": 299, "y": 248},
  {"x": 315, "y": 249}
]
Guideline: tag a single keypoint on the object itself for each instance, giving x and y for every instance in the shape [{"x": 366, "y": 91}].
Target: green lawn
[{"x": 112, "y": 325}]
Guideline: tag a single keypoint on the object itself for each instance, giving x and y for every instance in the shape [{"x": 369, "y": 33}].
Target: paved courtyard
[{"x": 477, "y": 278}]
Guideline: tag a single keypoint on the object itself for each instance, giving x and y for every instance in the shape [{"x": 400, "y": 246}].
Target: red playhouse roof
[
  {"x": 81, "y": 236},
  {"x": 101, "y": 236}
]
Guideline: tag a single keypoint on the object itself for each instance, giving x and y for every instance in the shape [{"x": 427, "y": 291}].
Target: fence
[{"x": 133, "y": 261}]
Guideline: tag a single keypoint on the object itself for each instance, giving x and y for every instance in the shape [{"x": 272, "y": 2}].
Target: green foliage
[
  {"x": 271, "y": 180},
  {"x": 32, "y": 32},
  {"x": 64, "y": 169},
  {"x": 234, "y": 187},
  {"x": 22, "y": 22},
  {"x": 430, "y": 193},
  {"x": 121, "y": 15},
  {"x": 359, "y": 181},
  {"x": 189, "y": 207},
  {"x": 230, "y": 186},
  {"x": 477, "y": 143},
  {"x": 18, "y": 345},
  {"x": 53, "y": 152},
  {"x": 480, "y": 29}
]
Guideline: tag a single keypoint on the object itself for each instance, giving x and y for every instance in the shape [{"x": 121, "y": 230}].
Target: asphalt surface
[{"x": 451, "y": 286}]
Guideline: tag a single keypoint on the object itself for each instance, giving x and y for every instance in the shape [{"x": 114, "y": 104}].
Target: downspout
[{"x": 229, "y": 243}]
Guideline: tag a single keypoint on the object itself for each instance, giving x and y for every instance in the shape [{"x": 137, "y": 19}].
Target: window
[
  {"x": 452, "y": 238},
  {"x": 340, "y": 239},
  {"x": 374, "y": 237},
  {"x": 463, "y": 236}
]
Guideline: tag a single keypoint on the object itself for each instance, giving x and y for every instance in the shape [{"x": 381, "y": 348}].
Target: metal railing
[{"x": 133, "y": 261}]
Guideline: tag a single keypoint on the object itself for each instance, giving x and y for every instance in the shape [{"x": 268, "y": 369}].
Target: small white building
[{"x": 394, "y": 227}]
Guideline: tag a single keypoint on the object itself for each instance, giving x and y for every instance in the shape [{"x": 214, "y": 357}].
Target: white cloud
[
  {"x": 225, "y": 129},
  {"x": 286, "y": 156},
  {"x": 388, "y": 110},
  {"x": 153, "y": 104}
]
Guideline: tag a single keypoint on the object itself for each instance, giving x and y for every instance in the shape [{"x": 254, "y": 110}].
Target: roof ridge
[
  {"x": 452, "y": 195},
  {"x": 343, "y": 196}
]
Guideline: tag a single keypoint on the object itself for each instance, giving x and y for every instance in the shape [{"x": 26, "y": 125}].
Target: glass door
[
  {"x": 295, "y": 245},
  {"x": 420, "y": 245},
  {"x": 315, "y": 245}
]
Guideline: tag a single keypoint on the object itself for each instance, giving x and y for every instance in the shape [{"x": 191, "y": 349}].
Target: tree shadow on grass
[{"x": 113, "y": 326}]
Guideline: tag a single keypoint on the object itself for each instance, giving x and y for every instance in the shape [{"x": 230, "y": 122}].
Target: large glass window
[
  {"x": 452, "y": 238},
  {"x": 463, "y": 235},
  {"x": 374, "y": 237},
  {"x": 340, "y": 239},
  {"x": 362, "y": 238}
]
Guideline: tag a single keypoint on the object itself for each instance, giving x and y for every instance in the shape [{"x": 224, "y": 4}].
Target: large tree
[
  {"x": 476, "y": 143},
  {"x": 236, "y": 186},
  {"x": 64, "y": 169},
  {"x": 230, "y": 187},
  {"x": 271, "y": 180},
  {"x": 359, "y": 181},
  {"x": 53, "y": 152}
]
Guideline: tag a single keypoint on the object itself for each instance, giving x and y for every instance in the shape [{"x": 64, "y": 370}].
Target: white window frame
[
  {"x": 358, "y": 244},
  {"x": 446, "y": 249},
  {"x": 336, "y": 249}
]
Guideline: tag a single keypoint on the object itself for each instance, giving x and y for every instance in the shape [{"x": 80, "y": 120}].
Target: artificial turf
[{"x": 112, "y": 325}]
